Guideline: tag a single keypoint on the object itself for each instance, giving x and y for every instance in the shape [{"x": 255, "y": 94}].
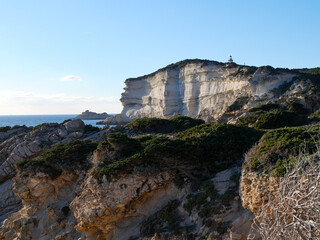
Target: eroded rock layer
[{"x": 206, "y": 89}]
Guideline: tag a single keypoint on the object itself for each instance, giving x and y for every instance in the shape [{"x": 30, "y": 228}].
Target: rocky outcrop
[
  {"x": 124, "y": 208},
  {"x": 114, "y": 210},
  {"x": 87, "y": 115},
  {"x": 21, "y": 143},
  {"x": 22, "y": 146},
  {"x": 257, "y": 189},
  {"x": 208, "y": 90},
  {"x": 45, "y": 213},
  {"x": 76, "y": 205}
]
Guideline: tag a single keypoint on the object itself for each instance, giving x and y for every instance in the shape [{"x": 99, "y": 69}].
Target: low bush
[
  {"x": 265, "y": 107},
  {"x": 311, "y": 71},
  {"x": 218, "y": 144},
  {"x": 68, "y": 156},
  {"x": 271, "y": 116},
  {"x": 280, "y": 118},
  {"x": 315, "y": 116},
  {"x": 165, "y": 220},
  {"x": 208, "y": 146},
  {"x": 4, "y": 129},
  {"x": 296, "y": 107},
  {"x": 158, "y": 125},
  {"x": 88, "y": 128},
  {"x": 45, "y": 124},
  {"x": 277, "y": 147},
  {"x": 122, "y": 143},
  {"x": 250, "y": 119}
]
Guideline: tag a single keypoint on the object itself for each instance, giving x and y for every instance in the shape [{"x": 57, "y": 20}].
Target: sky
[{"x": 67, "y": 56}]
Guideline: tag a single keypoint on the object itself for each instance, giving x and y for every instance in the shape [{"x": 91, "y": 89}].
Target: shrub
[
  {"x": 296, "y": 107},
  {"x": 315, "y": 116},
  {"x": 311, "y": 71},
  {"x": 165, "y": 220},
  {"x": 88, "y": 128},
  {"x": 198, "y": 200},
  {"x": 4, "y": 129},
  {"x": 147, "y": 124},
  {"x": 250, "y": 119},
  {"x": 158, "y": 125},
  {"x": 271, "y": 116},
  {"x": 45, "y": 124},
  {"x": 265, "y": 107},
  {"x": 207, "y": 146},
  {"x": 68, "y": 156},
  {"x": 122, "y": 143},
  {"x": 279, "y": 118},
  {"x": 293, "y": 212},
  {"x": 181, "y": 123},
  {"x": 216, "y": 145},
  {"x": 276, "y": 148}
]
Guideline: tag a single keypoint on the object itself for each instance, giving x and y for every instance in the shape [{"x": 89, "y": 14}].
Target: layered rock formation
[
  {"x": 171, "y": 200},
  {"x": 170, "y": 183},
  {"x": 208, "y": 90},
  {"x": 21, "y": 142},
  {"x": 73, "y": 206}
]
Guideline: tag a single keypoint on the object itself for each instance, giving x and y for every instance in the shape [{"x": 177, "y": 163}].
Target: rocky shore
[{"x": 176, "y": 171}]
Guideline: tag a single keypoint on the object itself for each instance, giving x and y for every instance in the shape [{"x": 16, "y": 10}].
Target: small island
[{"x": 87, "y": 115}]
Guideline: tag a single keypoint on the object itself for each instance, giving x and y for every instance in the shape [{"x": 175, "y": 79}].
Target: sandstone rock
[
  {"x": 256, "y": 189},
  {"x": 100, "y": 208},
  {"x": 22, "y": 143},
  {"x": 9, "y": 203},
  {"x": 45, "y": 202}
]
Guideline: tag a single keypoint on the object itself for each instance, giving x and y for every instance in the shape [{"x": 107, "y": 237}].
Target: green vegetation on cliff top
[
  {"x": 158, "y": 125},
  {"x": 68, "y": 156},
  {"x": 272, "y": 116},
  {"x": 277, "y": 149},
  {"x": 210, "y": 146}
]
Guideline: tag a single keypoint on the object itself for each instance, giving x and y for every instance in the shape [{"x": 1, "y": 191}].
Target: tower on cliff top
[{"x": 230, "y": 59}]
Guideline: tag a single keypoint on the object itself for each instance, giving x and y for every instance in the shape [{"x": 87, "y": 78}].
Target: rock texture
[
  {"x": 76, "y": 205},
  {"x": 114, "y": 210},
  {"x": 20, "y": 143},
  {"x": 152, "y": 201},
  {"x": 45, "y": 213},
  {"x": 208, "y": 90},
  {"x": 87, "y": 115},
  {"x": 256, "y": 189}
]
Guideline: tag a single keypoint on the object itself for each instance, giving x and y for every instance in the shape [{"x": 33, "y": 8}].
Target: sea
[{"x": 34, "y": 120}]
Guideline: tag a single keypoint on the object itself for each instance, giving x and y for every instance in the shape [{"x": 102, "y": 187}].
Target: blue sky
[{"x": 95, "y": 45}]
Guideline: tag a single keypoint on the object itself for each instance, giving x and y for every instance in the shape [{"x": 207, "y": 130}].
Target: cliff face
[
  {"x": 45, "y": 213},
  {"x": 21, "y": 143},
  {"x": 204, "y": 89},
  {"x": 73, "y": 206},
  {"x": 145, "y": 203}
]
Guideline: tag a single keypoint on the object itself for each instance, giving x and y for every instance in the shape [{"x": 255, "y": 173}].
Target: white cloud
[
  {"x": 70, "y": 78},
  {"x": 20, "y": 102}
]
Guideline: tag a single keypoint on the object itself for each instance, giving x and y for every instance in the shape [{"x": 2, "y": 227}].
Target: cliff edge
[{"x": 209, "y": 90}]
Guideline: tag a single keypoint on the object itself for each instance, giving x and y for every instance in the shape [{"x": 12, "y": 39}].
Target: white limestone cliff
[{"x": 202, "y": 89}]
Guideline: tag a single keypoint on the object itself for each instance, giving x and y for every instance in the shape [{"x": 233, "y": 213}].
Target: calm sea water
[{"x": 34, "y": 120}]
